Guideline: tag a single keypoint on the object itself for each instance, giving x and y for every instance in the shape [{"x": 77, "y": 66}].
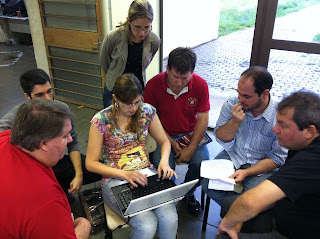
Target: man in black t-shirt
[{"x": 293, "y": 192}]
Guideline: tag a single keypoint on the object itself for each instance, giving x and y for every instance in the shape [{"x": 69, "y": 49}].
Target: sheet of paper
[
  {"x": 217, "y": 169},
  {"x": 145, "y": 171},
  {"x": 218, "y": 172},
  {"x": 220, "y": 185}
]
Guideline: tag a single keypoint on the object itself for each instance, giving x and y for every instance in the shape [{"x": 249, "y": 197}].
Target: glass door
[{"x": 288, "y": 44}]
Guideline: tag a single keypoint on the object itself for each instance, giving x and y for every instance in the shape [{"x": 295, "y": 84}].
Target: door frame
[{"x": 263, "y": 31}]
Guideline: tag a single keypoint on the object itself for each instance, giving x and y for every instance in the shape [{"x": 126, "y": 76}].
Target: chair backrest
[{"x": 151, "y": 144}]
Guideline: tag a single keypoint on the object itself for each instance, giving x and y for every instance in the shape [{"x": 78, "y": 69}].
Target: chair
[
  {"x": 237, "y": 188},
  {"x": 113, "y": 220}
]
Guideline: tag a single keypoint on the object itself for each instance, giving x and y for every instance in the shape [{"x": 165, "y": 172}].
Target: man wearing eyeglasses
[{"x": 182, "y": 102}]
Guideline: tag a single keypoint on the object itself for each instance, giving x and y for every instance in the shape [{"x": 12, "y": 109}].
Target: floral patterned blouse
[{"x": 123, "y": 150}]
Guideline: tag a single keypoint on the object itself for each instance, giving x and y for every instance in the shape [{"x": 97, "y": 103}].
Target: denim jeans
[
  {"x": 162, "y": 220},
  {"x": 193, "y": 166},
  {"x": 107, "y": 97},
  {"x": 249, "y": 182}
]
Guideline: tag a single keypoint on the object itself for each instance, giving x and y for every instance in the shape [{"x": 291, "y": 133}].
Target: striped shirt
[{"x": 254, "y": 140}]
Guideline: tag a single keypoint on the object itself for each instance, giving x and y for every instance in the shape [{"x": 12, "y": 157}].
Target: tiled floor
[{"x": 11, "y": 95}]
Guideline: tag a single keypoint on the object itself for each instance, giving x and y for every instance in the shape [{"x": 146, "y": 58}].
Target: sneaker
[
  {"x": 70, "y": 198},
  {"x": 192, "y": 204}
]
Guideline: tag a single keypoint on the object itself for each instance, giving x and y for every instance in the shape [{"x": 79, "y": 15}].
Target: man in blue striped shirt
[{"x": 244, "y": 129}]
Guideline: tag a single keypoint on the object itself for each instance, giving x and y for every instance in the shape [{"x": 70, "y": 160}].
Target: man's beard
[{"x": 255, "y": 106}]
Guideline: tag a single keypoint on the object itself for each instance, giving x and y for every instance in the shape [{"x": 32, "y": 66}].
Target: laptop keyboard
[{"x": 141, "y": 191}]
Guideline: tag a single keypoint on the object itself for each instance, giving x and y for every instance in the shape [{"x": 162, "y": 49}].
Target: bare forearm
[
  {"x": 75, "y": 158},
  {"x": 165, "y": 150},
  {"x": 228, "y": 131},
  {"x": 264, "y": 166},
  {"x": 104, "y": 170},
  {"x": 171, "y": 140},
  {"x": 199, "y": 130},
  {"x": 251, "y": 203},
  {"x": 239, "y": 212}
]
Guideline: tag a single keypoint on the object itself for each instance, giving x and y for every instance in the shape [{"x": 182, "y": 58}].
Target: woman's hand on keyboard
[
  {"x": 134, "y": 177},
  {"x": 164, "y": 171}
]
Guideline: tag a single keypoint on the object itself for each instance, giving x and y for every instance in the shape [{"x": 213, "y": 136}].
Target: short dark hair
[
  {"x": 306, "y": 105},
  {"x": 38, "y": 120},
  {"x": 262, "y": 79},
  {"x": 182, "y": 59},
  {"x": 31, "y": 78}
]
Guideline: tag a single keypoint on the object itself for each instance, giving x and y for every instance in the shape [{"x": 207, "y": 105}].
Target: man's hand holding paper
[{"x": 239, "y": 175}]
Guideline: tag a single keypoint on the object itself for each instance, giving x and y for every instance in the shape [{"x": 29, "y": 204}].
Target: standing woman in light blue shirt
[{"x": 129, "y": 48}]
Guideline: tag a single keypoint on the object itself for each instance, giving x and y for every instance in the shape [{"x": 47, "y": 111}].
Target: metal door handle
[{"x": 97, "y": 43}]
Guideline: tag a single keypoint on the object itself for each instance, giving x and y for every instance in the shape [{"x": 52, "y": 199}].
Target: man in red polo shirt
[{"x": 182, "y": 102}]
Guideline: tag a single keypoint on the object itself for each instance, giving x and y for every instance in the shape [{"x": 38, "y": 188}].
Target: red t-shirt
[
  {"x": 32, "y": 203},
  {"x": 178, "y": 116}
]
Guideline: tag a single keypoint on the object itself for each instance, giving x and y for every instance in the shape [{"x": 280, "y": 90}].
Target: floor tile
[{"x": 11, "y": 93}]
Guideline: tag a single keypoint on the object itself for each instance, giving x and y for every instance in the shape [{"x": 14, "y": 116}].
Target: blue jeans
[
  {"x": 193, "y": 166},
  {"x": 107, "y": 97},
  {"x": 248, "y": 183},
  {"x": 162, "y": 220}
]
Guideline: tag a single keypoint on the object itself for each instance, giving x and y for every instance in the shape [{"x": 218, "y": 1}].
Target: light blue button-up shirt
[{"x": 254, "y": 140}]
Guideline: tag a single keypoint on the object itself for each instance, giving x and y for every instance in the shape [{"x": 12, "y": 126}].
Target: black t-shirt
[
  {"x": 298, "y": 215},
  {"x": 134, "y": 61}
]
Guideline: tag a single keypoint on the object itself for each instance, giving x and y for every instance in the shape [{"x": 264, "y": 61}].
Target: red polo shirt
[{"x": 178, "y": 116}]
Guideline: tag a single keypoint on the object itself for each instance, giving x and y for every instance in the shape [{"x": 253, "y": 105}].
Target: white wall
[
  {"x": 189, "y": 23},
  {"x": 37, "y": 34}
]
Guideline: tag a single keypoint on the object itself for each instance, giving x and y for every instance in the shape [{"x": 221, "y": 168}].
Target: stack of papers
[{"x": 218, "y": 172}]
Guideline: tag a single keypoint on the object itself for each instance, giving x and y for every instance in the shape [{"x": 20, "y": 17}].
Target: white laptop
[{"x": 132, "y": 202}]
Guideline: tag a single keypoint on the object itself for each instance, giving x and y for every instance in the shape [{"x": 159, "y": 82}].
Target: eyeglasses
[
  {"x": 125, "y": 105},
  {"x": 139, "y": 29}
]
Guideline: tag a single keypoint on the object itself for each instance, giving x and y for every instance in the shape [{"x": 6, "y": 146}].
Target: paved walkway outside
[{"x": 221, "y": 61}]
